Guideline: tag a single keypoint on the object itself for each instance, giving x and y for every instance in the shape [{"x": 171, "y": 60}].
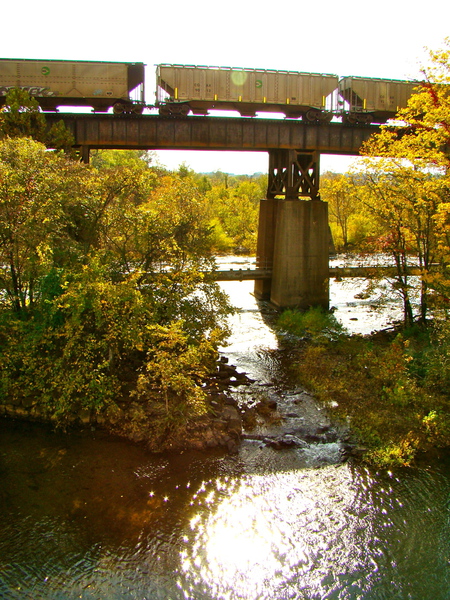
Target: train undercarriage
[{"x": 182, "y": 109}]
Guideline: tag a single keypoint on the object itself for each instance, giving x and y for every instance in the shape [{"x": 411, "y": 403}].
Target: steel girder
[{"x": 293, "y": 174}]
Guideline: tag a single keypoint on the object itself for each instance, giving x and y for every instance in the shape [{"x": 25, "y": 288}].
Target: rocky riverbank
[
  {"x": 239, "y": 410},
  {"x": 220, "y": 427}
]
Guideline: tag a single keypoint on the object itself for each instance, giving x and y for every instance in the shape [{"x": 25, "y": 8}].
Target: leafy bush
[
  {"x": 89, "y": 345},
  {"x": 313, "y": 323}
]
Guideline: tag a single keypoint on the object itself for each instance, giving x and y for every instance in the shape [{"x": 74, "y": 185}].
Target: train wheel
[
  {"x": 164, "y": 110},
  {"x": 325, "y": 116},
  {"x": 174, "y": 110},
  {"x": 313, "y": 115},
  {"x": 366, "y": 119},
  {"x": 118, "y": 108},
  {"x": 181, "y": 110}
]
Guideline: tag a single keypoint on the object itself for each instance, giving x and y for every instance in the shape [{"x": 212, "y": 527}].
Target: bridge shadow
[{"x": 269, "y": 313}]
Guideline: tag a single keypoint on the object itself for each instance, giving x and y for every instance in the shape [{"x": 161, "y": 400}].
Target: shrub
[
  {"x": 313, "y": 323},
  {"x": 373, "y": 384},
  {"x": 89, "y": 341}
]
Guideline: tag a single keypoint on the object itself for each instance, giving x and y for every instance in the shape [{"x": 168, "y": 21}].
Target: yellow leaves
[
  {"x": 399, "y": 454},
  {"x": 423, "y": 127},
  {"x": 44, "y": 252}
]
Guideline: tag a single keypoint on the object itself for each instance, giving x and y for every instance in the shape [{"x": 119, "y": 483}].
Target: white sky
[{"x": 386, "y": 39}]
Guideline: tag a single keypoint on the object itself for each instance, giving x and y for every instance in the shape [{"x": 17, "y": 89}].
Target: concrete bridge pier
[
  {"x": 293, "y": 235},
  {"x": 265, "y": 245},
  {"x": 300, "y": 260}
]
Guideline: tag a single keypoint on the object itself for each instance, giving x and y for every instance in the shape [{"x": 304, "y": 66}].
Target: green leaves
[
  {"x": 234, "y": 211},
  {"x": 174, "y": 371},
  {"x": 101, "y": 288},
  {"x": 21, "y": 117}
]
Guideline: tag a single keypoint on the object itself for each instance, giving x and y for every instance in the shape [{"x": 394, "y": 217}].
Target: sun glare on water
[{"x": 259, "y": 536}]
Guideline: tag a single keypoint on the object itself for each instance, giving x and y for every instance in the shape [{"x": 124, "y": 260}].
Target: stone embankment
[{"x": 222, "y": 427}]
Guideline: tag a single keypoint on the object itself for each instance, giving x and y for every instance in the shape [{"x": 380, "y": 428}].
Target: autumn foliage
[{"x": 103, "y": 297}]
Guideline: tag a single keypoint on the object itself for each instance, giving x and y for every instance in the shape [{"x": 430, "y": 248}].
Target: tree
[
  {"x": 343, "y": 208},
  {"x": 403, "y": 201},
  {"x": 165, "y": 242},
  {"x": 33, "y": 187},
  {"x": 21, "y": 117},
  {"x": 101, "y": 271},
  {"x": 409, "y": 181},
  {"x": 234, "y": 212},
  {"x": 111, "y": 159}
]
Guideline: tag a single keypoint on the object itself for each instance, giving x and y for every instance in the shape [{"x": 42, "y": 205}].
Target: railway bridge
[{"x": 293, "y": 234}]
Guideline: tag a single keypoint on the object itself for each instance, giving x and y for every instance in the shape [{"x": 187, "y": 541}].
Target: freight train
[
  {"x": 184, "y": 89},
  {"x": 55, "y": 83}
]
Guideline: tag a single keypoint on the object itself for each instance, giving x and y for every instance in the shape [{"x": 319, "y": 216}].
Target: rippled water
[{"x": 87, "y": 516}]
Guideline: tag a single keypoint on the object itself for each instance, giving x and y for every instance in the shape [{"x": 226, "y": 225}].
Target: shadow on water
[{"x": 82, "y": 513}]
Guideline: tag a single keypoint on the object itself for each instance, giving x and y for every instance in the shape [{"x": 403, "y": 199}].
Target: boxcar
[
  {"x": 373, "y": 100},
  {"x": 185, "y": 88},
  {"x": 54, "y": 83}
]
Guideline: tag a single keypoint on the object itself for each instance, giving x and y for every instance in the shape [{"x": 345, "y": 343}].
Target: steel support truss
[{"x": 293, "y": 175}]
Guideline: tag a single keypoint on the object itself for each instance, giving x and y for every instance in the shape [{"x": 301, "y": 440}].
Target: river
[{"x": 87, "y": 516}]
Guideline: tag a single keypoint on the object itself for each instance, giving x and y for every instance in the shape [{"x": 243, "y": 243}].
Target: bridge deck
[{"x": 211, "y": 133}]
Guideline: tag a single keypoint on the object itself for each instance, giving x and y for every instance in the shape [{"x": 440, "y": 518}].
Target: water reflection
[
  {"x": 330, "y": 533},
  {"x": 94, "y": 518}
]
